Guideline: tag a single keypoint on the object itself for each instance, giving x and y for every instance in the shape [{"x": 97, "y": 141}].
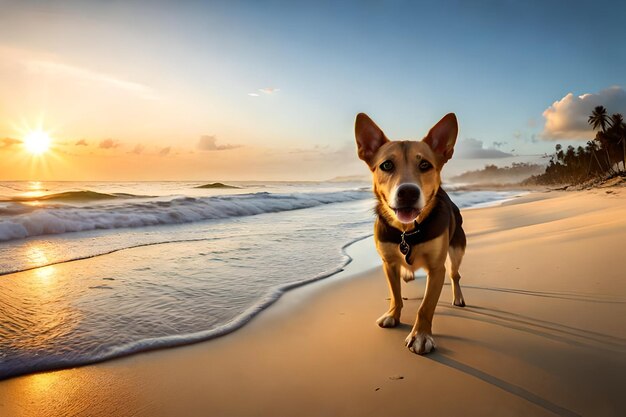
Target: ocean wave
[
  {"x": 77, "y": 196},
  {"x": 216, "y": 185},
  {"x": 57, "y": 219}
]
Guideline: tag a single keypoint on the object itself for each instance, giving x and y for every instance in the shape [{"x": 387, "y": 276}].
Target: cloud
[
  {"x": 499, "y": 144},
  {"x": 567, "y": 117},
  {"x": 266, "y": 90},
  {"x": 269, "y": 90},
  {"x": 47, "y": 63},
  {"x": 209, "y": 143},
  {"x": 138, "y": 149},
  {"x": 60, "y": 69},
  {"x": 81, "y": 142},
  {"x": 8, "y": 142},
  {"x": 344, "y": 154},
  {"x": 473, "y": 149},
  {"x": 165, "y": 151},
  {"x": 108, "y": 144}
]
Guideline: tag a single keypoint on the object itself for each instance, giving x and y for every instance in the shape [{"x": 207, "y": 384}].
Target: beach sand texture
[{"x": 543, "y": 333}]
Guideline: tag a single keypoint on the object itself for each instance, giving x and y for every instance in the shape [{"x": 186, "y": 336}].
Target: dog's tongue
[{"x": 407, "y": 215}]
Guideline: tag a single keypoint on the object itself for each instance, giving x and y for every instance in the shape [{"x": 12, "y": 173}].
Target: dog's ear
[
  {"x": 369, "y": 137},
  {"x": 442, "y": 136}
]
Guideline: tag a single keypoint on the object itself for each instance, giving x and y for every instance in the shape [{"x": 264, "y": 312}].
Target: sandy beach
[{"x": 543, "y": 333}]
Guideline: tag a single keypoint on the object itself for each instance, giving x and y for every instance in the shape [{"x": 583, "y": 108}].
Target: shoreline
[
  {"x": 175, "y": 341},
  {"x": 178, "y": 340},
  {"x": 511, "y": 351}
]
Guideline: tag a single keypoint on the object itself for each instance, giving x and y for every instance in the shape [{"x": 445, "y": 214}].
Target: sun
[{"x": 37, "y": 142}]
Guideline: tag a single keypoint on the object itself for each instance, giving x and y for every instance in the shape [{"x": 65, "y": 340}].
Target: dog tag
[{"x": 404, "y": 247}]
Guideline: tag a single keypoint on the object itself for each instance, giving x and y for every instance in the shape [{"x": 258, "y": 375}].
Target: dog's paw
[
  {"x": 457, "y": 297},
  {"x": 387, "y": 320},
  {"x": 459, "y": 301},
  {"x": 420, "y": 343}
]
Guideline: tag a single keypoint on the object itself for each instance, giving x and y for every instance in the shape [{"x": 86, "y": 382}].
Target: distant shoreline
[{"x": 494, "y": 187}]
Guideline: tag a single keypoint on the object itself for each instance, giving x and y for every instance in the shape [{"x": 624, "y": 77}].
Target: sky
[{"x": 268, "y": 90}]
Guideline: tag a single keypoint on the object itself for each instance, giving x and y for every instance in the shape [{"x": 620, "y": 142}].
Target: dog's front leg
[
  {"x": 392, "y": 317},
  {"x": 420, "y": 340}
]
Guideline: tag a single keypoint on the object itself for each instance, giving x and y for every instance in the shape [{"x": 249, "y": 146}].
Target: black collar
[{"x": 437, "y": 221}]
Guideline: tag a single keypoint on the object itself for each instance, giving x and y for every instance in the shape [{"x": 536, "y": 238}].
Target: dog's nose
[{"x": 407, "y": 195}]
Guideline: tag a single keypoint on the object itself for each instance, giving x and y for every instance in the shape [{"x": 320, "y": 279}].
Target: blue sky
[{"x": 162, "y": 74}]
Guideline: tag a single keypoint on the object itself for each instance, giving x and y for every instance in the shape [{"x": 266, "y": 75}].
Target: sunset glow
[{"x": 158, "y": 99}]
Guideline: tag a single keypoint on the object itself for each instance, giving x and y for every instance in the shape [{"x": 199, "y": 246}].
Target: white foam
[{"x": 56, "y": 219}]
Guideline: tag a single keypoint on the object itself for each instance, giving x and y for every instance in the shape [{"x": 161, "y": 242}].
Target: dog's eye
[
  {"x": 425, "y": 166},
  {"x": 386, "y": 166}
]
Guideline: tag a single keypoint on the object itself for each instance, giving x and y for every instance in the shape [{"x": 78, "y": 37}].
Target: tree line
[
  {"x": 492, "y": 174},
  {"x": 604, "y": 156}
]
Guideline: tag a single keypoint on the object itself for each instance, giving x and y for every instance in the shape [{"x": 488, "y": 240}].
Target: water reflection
[
  {"x": 36, "y": 312},
  {"x": 42, "y": 384},
  {"x": 35, "y": 189},
  {"x": 36, "y": 255},
  {"x": 46, "y": 274}
]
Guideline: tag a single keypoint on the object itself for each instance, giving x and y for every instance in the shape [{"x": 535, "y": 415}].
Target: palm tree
[
  {"x": 599, "y": 118},
  {"x": 559, "y": 152},
  {"x": 616, "y": 120},
  {"x": 593, "y": 147},
  {"x": 619, "y": 130}
]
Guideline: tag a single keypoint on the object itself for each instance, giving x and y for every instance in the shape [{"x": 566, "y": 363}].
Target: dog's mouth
[{"x": 406, "y": 214}]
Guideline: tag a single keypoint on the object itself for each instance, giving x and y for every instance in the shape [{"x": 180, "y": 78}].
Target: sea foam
[{"x": 25, "y": 220}]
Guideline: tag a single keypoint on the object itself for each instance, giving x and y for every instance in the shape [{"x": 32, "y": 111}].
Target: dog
[{"x": 417, "y": 225}]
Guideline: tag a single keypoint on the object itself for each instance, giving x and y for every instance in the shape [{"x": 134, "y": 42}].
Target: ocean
[{"x": 95, "y": 270}]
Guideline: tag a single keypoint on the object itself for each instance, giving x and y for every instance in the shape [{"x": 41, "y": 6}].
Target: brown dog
[{"x": 418, "y": 225}]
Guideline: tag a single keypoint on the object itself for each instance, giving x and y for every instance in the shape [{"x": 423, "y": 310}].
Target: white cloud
[
  {"x": 60, "y": 69},
  {"x": 567, "y": 117},
  {"x": 471, "y": 148},
  {"x": 41, "y": 62}
]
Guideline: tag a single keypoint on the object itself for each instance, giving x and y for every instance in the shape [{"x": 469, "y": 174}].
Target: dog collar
[
  {"x": 405, "y": 248},
  {"x": 438, "y": 220}
]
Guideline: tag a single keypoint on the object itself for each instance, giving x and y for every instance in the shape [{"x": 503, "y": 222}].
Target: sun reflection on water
[
  {"x": 35, "y": 189},
  {"x": 36, "y": 256},
  {"x": 41, "y": 384},
  {"x": 35, "y": 185},
  {"x": 46, "y": 274},
  {"x": 34, "y": 390},
  {"x": 41, "y": 310}
]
